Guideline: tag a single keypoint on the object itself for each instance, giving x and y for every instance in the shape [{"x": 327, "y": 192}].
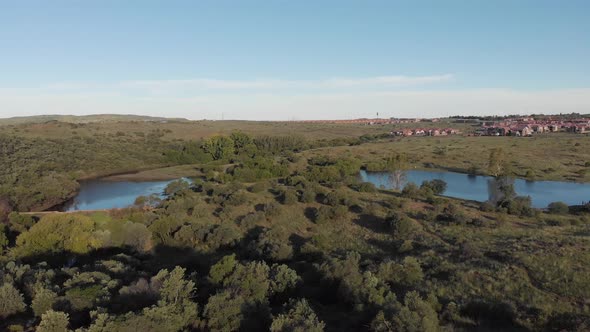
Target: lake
[
  {"x": 464, "y": 186},
  {"x": 103, "y": 194}
]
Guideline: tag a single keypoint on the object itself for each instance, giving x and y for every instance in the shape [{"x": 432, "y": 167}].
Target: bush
[
  {"x": 402, "y": 226},
  {"x": 327, "y": 213},
  {"x": 53, "y": 321},
  {"x": 11, "y": 301},
  {"x": 271, "y": 210},
  {"x": 272, "y": 245},
  {"x": 298, "y": 316},
  {"x": 43, "y": 301},
  {"x": 437, "y": 186},
  {"x": 367, "y": 187},
  {"x": 520, "y": 206},
  {"x": 252, "y": 219},
  {"x": 289, "y": 197},
  {"x": 308, "y": 196},
  {"x": 558, "y": 208},
  {"x": 258, "y": 187},
  {"x": 557, "y": 222},
  {"x": 453, "y": 214},
  {"x": 410, "y": 190},
  {"x": 487, "y": 207}
]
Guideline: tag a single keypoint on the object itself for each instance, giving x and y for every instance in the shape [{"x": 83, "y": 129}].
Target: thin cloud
[
  {"x": 304, "y": 106},
  {"x": 278, "y": 84}
]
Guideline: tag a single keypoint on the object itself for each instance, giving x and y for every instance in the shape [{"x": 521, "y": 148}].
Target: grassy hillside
[{"x": 83, "y": 118}]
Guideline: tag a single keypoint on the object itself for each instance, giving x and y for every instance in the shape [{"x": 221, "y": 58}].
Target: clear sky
[{"x": 283, "y": 60}]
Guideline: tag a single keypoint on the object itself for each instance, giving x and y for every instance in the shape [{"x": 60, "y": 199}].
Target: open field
[{"x": 193, "y": 130}]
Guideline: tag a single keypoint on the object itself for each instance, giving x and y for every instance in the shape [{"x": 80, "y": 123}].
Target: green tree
[
  {"x": 3, "y": 238},
  {"x": 416, "y": 315},
  {"x": 59, "y": 232},
  {"x": 282, "y": 278},
  {"x": 498, "y": 163},
  {"x": 401, "y": 226},
  {"x": 222, "y": 269},
  {"x": 242, "y": 142},
  {"x": 298, "y": 317},
  {"x": 43, "y": 300},
  {"x": 273, "y": 245},
  {"x": 175, "y": 289},
  {"x": 54, "y": 321},
  {"x": 289, "y": 197},
  {"x": 219, "y": 147},
  {"x": 177, "y": 187},
  {"x": 437, "y": 186},
  {"x": 558, "y": 208},
  {"x": 224, "y": 311},
  {"x": 11, "y": 300},
  {"x": 397, "y": 165}
]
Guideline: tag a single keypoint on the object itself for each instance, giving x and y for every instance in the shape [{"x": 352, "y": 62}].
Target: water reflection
[
  {"x": 101, "y": 194},
  {"x": 477, "y": 188}
]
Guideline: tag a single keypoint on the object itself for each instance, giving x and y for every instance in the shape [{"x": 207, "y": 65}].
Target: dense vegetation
[
  {"x": 276, "y": 236},
  {"x": 38, "y": 173}
]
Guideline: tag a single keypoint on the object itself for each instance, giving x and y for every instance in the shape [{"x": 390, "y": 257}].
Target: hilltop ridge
[{"x": 85, "y": 118}]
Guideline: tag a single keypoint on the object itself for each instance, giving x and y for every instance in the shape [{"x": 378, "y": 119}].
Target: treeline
[{"x": 238, "y": 146}]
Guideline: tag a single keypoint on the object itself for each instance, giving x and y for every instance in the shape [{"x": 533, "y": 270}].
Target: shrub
[
  {"x": 236, "y": 198},
  {"x": 258, "y": 187},
  {"x": 43, "y": 301},
  {"x": 487, "y": 207},
  {"x": 453, "y": 214},
  {"x": 558, "y": 208},
  {"x": 557, "y": 222},
  {"x": 367, "y": 187},
  {"x": 250, "y": 220},
  {"x": 410, "y": 190},
  {"x": 298, "y": 316},
  {"x": 53, "y": 321},
  {"x": 289, "y": 197},
  {"x": 59, "y": 232},
  {"x": 520, "y": 205},
  {"x": 402, "y": 226},
  {"x": 272, "y": 245},
  {"x": 272, "y": 209},
  {"x": 11, "y": 301},
  {"x": 308, "y": 196},
  {"x": 332, "y": 198},
  {"x": 437, "y": 186},
  {"x": 177, "y": 187},
  {"x": 416, "y": 315},
  {"x": 327, "y": 213}
]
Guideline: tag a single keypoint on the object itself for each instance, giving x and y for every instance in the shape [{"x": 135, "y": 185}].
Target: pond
[
  {"x": 101, "y": 194},
  {"x": 470, "y": 187}
]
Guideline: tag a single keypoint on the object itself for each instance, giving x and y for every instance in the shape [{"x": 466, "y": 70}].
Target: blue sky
[{"x": 301, "y": 59}]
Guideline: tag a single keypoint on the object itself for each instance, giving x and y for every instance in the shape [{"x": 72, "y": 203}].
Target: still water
[
  {"x": 475, "y": 188},
  {"x": 102, "y": 194}
]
